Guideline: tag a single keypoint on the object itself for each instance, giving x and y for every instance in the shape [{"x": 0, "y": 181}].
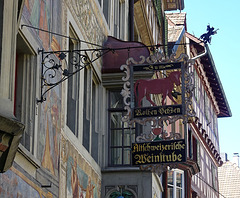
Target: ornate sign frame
[{"x": 157, "y": 61}]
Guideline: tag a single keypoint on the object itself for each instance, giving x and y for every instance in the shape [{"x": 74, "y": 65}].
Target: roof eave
[
  {"x": 222, "y": 114},
  {"x": 225, "y": 110}
]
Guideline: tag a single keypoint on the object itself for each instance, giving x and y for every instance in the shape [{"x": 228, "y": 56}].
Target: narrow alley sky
[{"x": 224, "y": 15}]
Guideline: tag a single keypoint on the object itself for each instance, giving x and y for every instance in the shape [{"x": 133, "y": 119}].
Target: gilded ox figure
[{"x": 163, "y": 86}]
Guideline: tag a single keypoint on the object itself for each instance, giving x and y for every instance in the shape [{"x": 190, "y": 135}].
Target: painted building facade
[{"x": 69, "y": 140}]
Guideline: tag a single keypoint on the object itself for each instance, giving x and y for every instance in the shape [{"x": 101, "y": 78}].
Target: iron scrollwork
[{"x": 58, "y": 66}]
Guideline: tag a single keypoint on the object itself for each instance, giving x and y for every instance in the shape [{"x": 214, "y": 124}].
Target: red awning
[{"x": 120, "y": 52}]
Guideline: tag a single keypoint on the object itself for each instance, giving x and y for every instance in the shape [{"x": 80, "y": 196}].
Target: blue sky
[{"x": 224, "y": 15}]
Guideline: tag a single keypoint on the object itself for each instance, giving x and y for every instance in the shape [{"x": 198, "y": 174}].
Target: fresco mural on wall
[
  {"x": 14, "y": 184},
  {"x": 48, "y": 147},
  {"x": 40, "y": 17},
  {"x": 39, "y": 14},
  {"x": 82, "y": 180}
]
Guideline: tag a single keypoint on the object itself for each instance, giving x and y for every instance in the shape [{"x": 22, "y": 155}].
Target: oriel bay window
[{"x": 120, "y": 135}]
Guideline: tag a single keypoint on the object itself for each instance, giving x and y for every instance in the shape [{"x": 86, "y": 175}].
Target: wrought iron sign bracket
[{"x": 58, "y": 66}]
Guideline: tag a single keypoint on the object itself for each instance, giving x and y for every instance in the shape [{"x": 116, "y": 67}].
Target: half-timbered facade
[{"x": 210, "y": 103}]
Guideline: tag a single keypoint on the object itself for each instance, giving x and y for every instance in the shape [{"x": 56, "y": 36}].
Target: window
[
  {"x": 121, "y": 194},
  {"x": 206, "y": 105},
  {"x": 194, "y": 147},
  {"x": 214, "y": 177},
  {"x": 122, "y": 20},
  {"x": 116, "y": 18},
  {"x": 91, "y": 106},
  {"x": 119, "y": 19},
  {"x": 94, "y": 123},
  {"x": 215, "y": 125},
  {"x": 83, "y": 100},
  {"x": 121, "y": 136},
  {"x": 20, "y": 7},
  {"x": 196, "y": 90},
  {"x": 86, "y": 108},
  {"x": 72, "y": 89},
  {"x": 105, "y": 5},
  {"x": 176, "y": 183},
  {"x": 25, "y": 90},
  {"x": 5, "y": 20}
]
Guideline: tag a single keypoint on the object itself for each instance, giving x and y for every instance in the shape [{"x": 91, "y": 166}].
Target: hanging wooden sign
[
  {"x": 172, "y": 151},
  {"x": 163, "y": 88}
]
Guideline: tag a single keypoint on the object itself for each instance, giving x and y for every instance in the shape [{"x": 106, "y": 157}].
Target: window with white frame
[
  {"x": 95, "y": 137},
  {"x": 105, "y": 6},
  {"x": 82, "y": 101},
  {"x": 73, "y": 87},
  {"x": 91, "y": 106},
  {"x": 119, "y": 18},
  {"x": 176, "y": 183},
  {"x": 116, "y": 18},
  {"x": 86, "y": 107},
  {"x": 25, "y": 90}
]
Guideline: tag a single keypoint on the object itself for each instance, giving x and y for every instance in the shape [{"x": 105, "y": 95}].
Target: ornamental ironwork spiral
[{"x": 58, "y": 66}]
